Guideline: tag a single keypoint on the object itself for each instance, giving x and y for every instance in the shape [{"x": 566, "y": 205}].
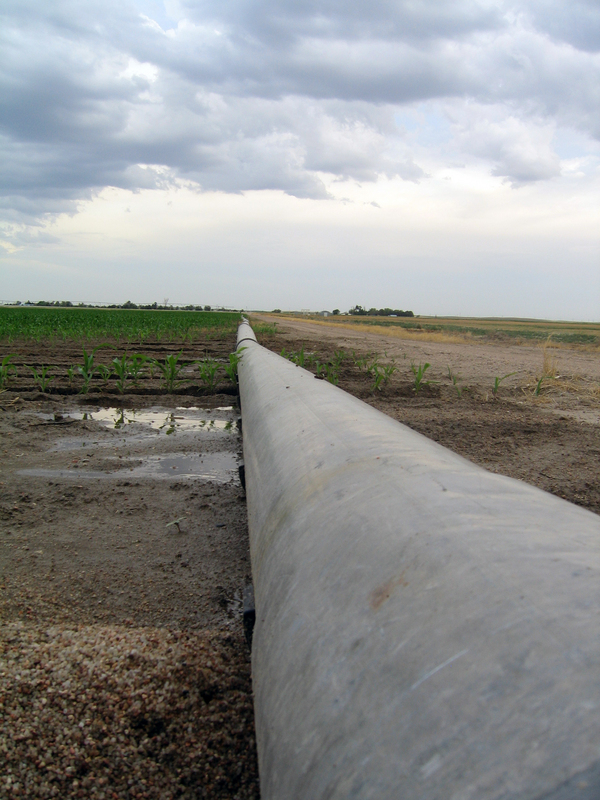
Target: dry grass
[
  {"x": 549, "y": 362},
  {"x": 413, "y": 334}
]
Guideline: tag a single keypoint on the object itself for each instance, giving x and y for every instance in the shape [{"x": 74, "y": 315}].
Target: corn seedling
[
  {"x": 71, "y": 375},
  {"x": 7, "y": 370},
  {"x": 87, "y": 369},
  {"x": 419, "y": 373},
  {"x": 455, "y": 379},
  {"x": 338, "y": 357},
  {"x": 208, "y": 369},
  {"x": 170, "y": 371},
  {"x": 231, "y": 369},
  {"x": 299, "y": 358},
  {"x": 136, "y": 366},
  {"x": 104, "y": 372},
  {"x": 378, "y": 379},
  {"x": 331, "y": 373},
  {"x": 381, "y": 374},
  {"x": 367, "y": 363},
  {"x": 356, "y": 360},
  {"x": 498, "y": 381},
  {"x": 42, "y": 378},
  {"x": 538, "y": 388},
  {"x": 120, "y": 366}
]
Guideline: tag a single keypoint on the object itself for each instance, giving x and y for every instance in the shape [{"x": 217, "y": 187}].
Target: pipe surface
[{"x": 425, "y": 629}]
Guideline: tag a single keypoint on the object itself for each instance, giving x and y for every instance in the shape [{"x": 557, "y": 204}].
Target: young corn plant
[
  {"x": 231, "y": 369},
  {"x": 338, "y": 358},
  {"x": 538, "y": 388},
  {"x": 209, "y": 369},
  {"x": 381, "y": 374},
  {"x": 365, "y": 363},
  {"x": 331, "y": 373},
  {"x": 498, "y": 381},
  {"x": 378, "y": 378},
  {"x": 104, "y": 372},
  {"x": 455, "y": 379},
  {"x": 299, "y": 358},
  {"x": 87, "y": 370},
  {"x": 170, "y": 371},
  {"x": 7, "y": 371},
  {"x": 42, "y": 378},
  {"x": 120, "y": 366},
  {"x": 71, "y": 375},
  {"x": 419, "y": 373},
  {"x": 137, "y": 364},
  {"x": 319, "y": 368}
]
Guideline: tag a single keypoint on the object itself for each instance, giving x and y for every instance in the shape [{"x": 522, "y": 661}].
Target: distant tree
[
  {"x": 276, "y": 311},
  {"x": 207, "y": 308},
  {"x": 129, "y": 304},
  {"x": 357, "y": 311},
  {"x": 335, "y": 312}
]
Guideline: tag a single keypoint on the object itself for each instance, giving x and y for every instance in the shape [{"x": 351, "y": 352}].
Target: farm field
[
  {"x": 123, "y": 532},
  {"x": 540, "y": 423},
  {"x": 124, "y": 671},
  {"x": 116, "y": 325},
  {"x": 468, "y": 329}
]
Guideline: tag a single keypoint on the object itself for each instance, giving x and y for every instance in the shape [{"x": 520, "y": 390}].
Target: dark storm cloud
[{"x": 240, "y": 94}]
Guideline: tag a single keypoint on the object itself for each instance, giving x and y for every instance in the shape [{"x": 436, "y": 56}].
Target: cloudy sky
[{"x": 437, "y": 155}]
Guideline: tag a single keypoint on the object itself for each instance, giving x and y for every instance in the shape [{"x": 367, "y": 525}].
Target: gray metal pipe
[{"x": 425, "y": 629}]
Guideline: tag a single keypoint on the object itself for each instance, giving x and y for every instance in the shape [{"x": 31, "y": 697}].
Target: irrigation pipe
[{"x": 425, "y": 629}]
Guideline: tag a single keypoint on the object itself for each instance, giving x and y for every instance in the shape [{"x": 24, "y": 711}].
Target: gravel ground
[{"x": 111, "y": 712}]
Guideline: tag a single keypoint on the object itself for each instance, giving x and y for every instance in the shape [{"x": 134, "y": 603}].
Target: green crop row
[
  {"x": 127, "y": 370},
  {"x": 86, "y": 324}
]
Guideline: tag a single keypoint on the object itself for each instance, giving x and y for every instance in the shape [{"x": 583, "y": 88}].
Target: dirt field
[
  {"x": 551, "y": 440},
  {"x": 124, "y": 671}
]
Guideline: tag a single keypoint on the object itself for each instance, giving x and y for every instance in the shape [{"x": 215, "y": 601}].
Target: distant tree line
[
  {"x": 128, "y": 304},
  {"x": 359, "y": 311}
]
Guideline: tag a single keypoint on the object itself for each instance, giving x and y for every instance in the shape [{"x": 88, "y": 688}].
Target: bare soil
[
  {"x": 551, "y": 440},
  {"x": 124, "y": 671}
]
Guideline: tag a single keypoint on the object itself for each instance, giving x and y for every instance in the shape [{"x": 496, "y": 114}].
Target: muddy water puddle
[
  {"x": 202, "y": 444},
  {"x": 219, "y": 467},
  {"x": 167, "y": 421}
]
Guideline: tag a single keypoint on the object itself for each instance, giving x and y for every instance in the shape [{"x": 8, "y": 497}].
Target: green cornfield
[{"x": 87, "y": 324}]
